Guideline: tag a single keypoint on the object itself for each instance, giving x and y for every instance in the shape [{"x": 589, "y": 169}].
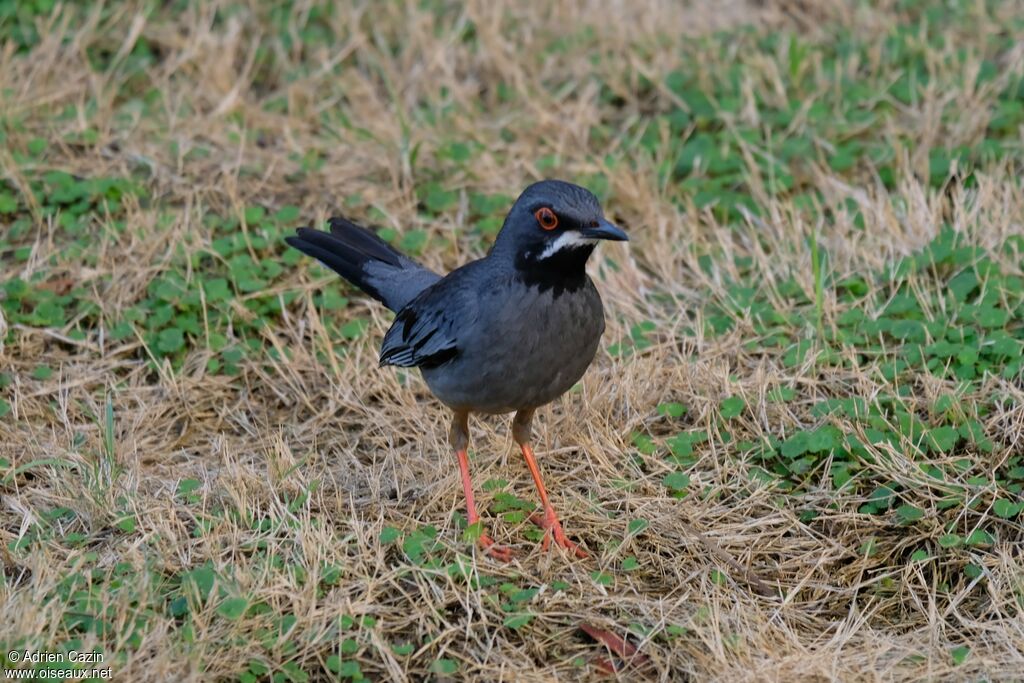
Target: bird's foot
[
  {"x": 491, "y": 549},
  {"x": 553, "y": 529}
]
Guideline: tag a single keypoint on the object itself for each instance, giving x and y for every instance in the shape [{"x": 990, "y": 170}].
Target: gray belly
[{"x": 525, "y": 349}]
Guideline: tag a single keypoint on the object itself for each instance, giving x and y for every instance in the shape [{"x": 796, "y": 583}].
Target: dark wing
[
  {"x": 427, "y": 332},
  {"x": 421, "y": 336}
]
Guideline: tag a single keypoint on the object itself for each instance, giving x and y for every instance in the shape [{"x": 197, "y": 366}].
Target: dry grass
[{"x": 328, "y": 450}]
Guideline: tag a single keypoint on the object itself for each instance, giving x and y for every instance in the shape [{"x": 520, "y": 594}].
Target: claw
[
  {"x": 553, "y": 529},
  {"x": 499, "y": 552}
]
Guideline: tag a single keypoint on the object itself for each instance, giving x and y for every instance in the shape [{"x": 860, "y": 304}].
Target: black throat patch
[{"x": 563, "y": 271}]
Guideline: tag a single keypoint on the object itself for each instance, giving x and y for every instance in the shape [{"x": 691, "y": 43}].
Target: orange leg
[
  {"x": 486, "y": 542},
  {"x": 549, "y": 520},
  {"x": 459, "y": 436}
]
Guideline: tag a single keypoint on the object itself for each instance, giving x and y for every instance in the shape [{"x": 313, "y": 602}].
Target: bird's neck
[{"x": 563, "y": 271}]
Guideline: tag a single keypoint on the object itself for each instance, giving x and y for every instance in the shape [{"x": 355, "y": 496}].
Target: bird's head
[{"x": 552, "y": 229}]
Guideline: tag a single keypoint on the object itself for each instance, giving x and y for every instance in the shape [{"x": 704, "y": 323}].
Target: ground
[{"x": 798, "y": 455}]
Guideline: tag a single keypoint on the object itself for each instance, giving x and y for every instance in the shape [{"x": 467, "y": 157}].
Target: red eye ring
[{"x": 546, "y": 218}]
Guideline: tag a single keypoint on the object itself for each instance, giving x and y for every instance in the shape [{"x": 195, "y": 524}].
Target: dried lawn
[{"x": 331, "y": 451}]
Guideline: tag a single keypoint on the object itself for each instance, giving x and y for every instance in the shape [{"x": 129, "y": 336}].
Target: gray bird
[{"x": 509, "y": 332}]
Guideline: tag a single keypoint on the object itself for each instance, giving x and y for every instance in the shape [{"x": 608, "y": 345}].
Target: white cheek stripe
[{"x": 567, "y": 240}]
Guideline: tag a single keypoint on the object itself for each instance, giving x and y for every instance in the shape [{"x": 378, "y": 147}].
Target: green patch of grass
[{"x": 740, "y": 131}]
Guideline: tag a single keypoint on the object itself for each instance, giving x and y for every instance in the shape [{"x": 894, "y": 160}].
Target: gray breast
[{"x": 525, "y": 347}]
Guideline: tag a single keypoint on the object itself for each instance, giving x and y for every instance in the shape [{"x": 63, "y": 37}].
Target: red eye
[{"x": 547, "y": 218}]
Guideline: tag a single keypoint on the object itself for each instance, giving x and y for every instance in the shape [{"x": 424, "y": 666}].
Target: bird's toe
[
  {"x": 498, "y": 552},
  {"x": 553, "y": 530}
]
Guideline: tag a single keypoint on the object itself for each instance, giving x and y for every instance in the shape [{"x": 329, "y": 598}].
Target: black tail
[{"x": 365, "y": 260}]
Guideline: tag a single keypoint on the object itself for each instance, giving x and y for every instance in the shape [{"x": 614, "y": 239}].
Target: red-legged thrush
[{"x": 509, "y": 332}]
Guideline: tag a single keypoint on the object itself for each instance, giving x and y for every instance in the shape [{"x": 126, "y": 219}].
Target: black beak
[{"x": 605, "y": 231}]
